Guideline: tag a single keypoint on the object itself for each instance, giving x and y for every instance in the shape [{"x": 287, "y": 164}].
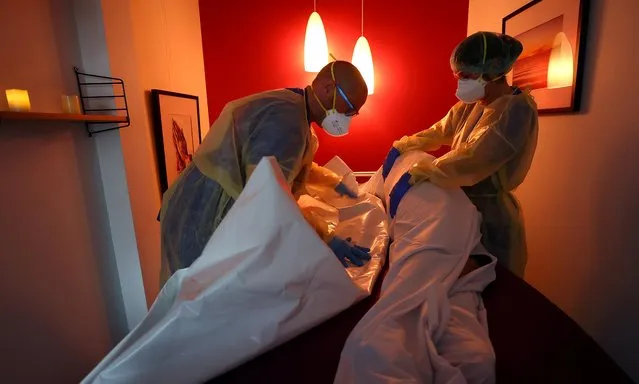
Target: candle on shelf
[
  {"x": 18, "y": 100},
  {"x": 71, "y": 104}
]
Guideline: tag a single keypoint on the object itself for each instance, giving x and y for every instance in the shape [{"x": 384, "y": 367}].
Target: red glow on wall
[{"x": 254, "y": 45}]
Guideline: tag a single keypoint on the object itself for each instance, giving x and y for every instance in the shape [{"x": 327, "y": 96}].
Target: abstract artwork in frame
[
  {"x": 176, "y": 131},
  {"x": 554, "y": 34}
]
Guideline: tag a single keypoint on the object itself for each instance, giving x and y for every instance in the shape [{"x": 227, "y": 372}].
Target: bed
[
  {"x": 535, "y": 342},
  {"x": 251, "y": 310}
]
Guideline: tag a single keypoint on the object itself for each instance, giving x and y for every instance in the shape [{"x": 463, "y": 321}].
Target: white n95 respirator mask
[
  {"x": 471, "y": 90},
  {"x": 335, "y": 123}
]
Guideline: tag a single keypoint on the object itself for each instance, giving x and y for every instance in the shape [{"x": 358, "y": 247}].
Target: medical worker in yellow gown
[
  {"x": 492, "y": 132},
  {"x": 273, "y": 123}
]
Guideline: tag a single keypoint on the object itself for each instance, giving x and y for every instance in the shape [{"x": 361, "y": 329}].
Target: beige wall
[
  {"x": 71, "y": 279},
  {"x": 580, "y": 197},
  {"x": 54, "y": 324},
  {"x": 152, "y": 44}
]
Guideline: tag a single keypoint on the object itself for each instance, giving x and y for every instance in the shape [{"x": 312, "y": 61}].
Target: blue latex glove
[
  {"x": 343, "y": 190},
  {"x": 392, "y": 155},
  {"x": 398, "y": 192},
  {"x": 345, "y": 250}
]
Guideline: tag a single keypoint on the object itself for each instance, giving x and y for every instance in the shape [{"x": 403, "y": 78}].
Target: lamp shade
[
  {"x": 363, "y": 60},
  {"x": 315, "y": 45},
  {"x": 561, "y": 63}
]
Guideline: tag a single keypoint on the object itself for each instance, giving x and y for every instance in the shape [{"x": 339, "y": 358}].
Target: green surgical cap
[{"x": 486, "y": 53}]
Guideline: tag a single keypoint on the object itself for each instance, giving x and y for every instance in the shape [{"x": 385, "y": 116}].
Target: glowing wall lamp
[
  {"x": 363, "y": 59},
  {"x": 561, "y": 63},
  {"x": 315, "y": 45}
]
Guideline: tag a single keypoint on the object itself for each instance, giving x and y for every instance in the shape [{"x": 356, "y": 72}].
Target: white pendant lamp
[
  {"x": 363, "y": 59},
  {"x": 315, "y": 45}
]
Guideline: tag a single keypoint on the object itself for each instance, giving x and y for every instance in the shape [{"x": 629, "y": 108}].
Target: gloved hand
[
  {"x": 343, "y": 190},
  {"x": 344, "y": 249},
  {"x": 398, "y": 192},
  {"x": 392, "y": 155}
]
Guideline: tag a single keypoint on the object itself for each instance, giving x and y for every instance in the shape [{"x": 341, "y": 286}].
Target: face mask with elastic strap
[
  {"x": 335, "y": 123},
  {"x": 472, "y": 90}
]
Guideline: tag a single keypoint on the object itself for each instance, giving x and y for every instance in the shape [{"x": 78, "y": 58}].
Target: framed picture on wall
[
  {"x": 554, "y": 34},
  {"x": 176, "y": 132}
]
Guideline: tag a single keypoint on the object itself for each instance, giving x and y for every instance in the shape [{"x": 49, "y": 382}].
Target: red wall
[{"x": 255, "y": 45}]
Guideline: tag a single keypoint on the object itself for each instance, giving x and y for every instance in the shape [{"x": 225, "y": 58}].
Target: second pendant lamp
[{"x": 363, "y": 58}]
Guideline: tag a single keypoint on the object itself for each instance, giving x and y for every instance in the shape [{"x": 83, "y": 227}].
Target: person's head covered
[
  {"x": 346, "y": 78},
  {"x": 486, "y": 53}
]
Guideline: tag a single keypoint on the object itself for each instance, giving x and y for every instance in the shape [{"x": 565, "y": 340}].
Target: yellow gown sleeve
[
  {"x": 491, "y": 145},
  {"x": 431, "y": 139},
  {"x": 324, "y": 178},
  {"x": 324, "y": 229},
  {"x": 321, "y": 176}
]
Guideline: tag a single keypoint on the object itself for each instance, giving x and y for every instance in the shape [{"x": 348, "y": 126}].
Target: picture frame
[
  {"x": 554, "y": 34},
  {"x": 176, "y": 131}
]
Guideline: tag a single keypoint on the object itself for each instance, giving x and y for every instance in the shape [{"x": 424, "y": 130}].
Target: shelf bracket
[{"x": 88, "y": 84}]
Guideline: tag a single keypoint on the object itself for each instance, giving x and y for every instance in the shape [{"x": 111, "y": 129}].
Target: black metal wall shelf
[{"x": 89, "y": 88}]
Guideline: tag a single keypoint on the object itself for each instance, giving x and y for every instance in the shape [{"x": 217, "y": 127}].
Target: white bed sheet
[{"x": 429, "y": 326}]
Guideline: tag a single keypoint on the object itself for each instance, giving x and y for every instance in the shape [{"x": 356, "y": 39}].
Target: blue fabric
[
  {"x": 271, "y": 125},
  {"x": 343, "y": 190},
  {"x": 399, "y": 190},
  {"x": 275, "y": 136},
  {"x": 392, "y": 155},
  {"x": 345, "y": 250},
  {"x": 194, "y": 212}
]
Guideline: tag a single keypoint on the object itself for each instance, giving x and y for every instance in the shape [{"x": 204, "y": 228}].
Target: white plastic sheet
[
  {"x": 263, "y": 278},
  {"x": 429, "y": 325}
]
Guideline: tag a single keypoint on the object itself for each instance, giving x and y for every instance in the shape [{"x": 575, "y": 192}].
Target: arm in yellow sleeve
[
  {"x": 324, "y": 229},
  {"x": 498, "y": 142},
  {"x": 431, "y": 139},
  {"x": 322, "y": 177}
]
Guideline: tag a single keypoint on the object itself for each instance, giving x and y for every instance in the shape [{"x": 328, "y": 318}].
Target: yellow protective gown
[
  {"x": 272, "y": 123},
  {"x": 492, "y": 148}
]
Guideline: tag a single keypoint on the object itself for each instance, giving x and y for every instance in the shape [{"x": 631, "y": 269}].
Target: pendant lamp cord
[
  {"x": 362, "y": 17},
  {"x": 314, "y": 5}
]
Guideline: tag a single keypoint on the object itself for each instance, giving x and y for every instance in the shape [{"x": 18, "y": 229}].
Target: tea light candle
[
  {"x": 18, "y": 100},
  {"x": 71, "y": 104}
]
